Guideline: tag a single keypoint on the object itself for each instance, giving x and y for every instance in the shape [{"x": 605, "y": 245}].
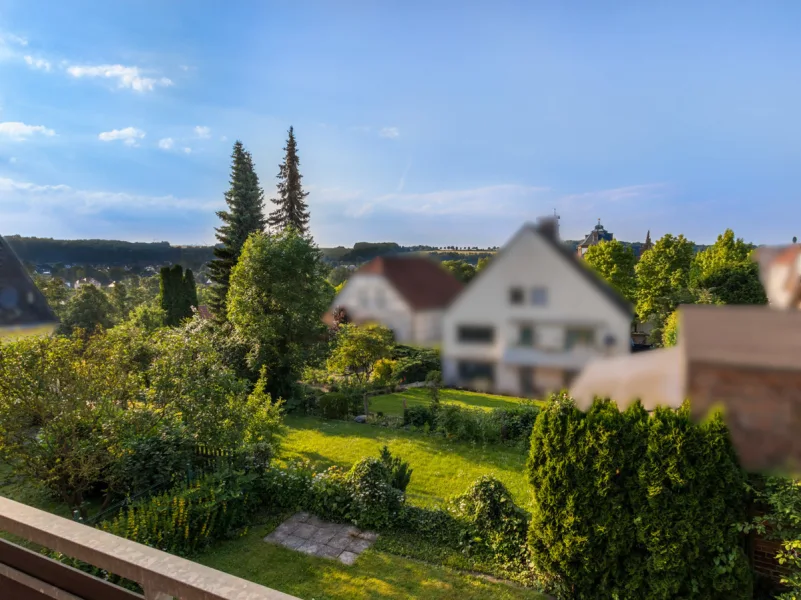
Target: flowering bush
[{"x": 375, "y": 502}]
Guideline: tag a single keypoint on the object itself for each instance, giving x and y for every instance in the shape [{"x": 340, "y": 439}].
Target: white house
[
  {"x": 407, "y": 294},
  {"x": 530, "y": 321}
]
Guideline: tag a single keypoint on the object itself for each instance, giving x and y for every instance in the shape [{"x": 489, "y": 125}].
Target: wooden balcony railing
[{"x": 27, "y": 575}]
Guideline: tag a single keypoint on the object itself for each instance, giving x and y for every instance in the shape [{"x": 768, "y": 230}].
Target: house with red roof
[{"x": 407, "y": 294}]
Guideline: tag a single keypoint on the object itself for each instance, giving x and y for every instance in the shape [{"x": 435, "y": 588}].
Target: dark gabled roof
[
  {"x": 421, "y": 281},
  {"x": 21, "y": 302},
  {"x": 547, "y": 232}
]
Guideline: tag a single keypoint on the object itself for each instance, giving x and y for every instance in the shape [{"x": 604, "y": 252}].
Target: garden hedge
[{"x": 629, "y": 505}]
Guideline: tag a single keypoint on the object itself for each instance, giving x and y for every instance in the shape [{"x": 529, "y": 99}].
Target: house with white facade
[
  {"x": 530, "y": 321},
  {"x": 407, "y": 294}
]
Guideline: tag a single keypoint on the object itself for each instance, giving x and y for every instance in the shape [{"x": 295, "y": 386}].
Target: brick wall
[
  {"x": 763, "y": 558},
  {"x": 762, "y": 410}
]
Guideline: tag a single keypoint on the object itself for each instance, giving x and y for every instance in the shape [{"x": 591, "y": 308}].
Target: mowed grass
[
  {"x": 441, "y": 468},
  {"x": 392, "y": 404},
  {"x": 375, "y": 575}
]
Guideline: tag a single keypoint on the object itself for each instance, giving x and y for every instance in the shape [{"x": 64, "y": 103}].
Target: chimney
[{"x": 549, "y": 226}]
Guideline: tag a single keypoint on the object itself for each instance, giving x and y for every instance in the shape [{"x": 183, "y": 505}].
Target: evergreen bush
[{"x": 631, "y": 506}]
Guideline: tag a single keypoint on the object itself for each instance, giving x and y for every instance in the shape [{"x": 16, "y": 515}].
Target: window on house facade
[
  {"x": 539, "y": 296},
  {"x": 579, "y": 337},
  {"x": 526, "y": 375},
  {"x": 526, "y": 336},
  {"x": 516, "y": 295},
  {"x": 476, "y": 334},
  {"x": 470, "y": 371}
]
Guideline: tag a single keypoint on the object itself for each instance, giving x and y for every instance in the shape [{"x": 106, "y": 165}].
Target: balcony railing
[{"x": 162, "y": 576}]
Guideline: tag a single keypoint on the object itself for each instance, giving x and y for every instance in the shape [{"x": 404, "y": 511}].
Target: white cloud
[
  {"x": 17, "y": 131},
  {"x": 37, "y": 63},
  {"x": 389, "y": 132},
  {"x": 126, "y": 77},
  {"x": 166, "y": 143},
  {"x": 15, "y": 195},
  {"x": 188, "y": 150},
  {"x": 202, "y": 131},
  {"x": 13, "y": 39},
  {"x": 129, "y": 135}
]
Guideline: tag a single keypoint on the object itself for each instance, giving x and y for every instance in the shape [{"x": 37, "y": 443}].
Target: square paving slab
[{"x": 308, "y": 534}]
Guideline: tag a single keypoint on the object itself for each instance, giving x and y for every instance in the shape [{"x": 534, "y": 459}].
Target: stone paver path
[{"x": 306, "y": 533}]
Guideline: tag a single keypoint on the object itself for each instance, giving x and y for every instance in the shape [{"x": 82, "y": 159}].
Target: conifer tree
[
  {"x": 190, "y": 290},
  {"x": 291, "y": 205},
  {"x": 245, "y": 215}
]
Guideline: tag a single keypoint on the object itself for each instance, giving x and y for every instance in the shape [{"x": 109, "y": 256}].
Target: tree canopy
[
  {"x": 358, "y": 349},
  {"x": 615, "y": 263},
  {"x": 277, "y": 300},
  {"x": 88, "y": 309},
  {"x": 462, "y": 270},
  {"x": 663, "y": 277}
]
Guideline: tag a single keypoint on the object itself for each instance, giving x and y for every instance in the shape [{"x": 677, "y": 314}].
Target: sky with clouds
[{"x": 443, "y": 123}]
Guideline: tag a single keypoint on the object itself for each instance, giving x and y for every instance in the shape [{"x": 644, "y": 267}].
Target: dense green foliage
[
  {"x": 245, "y": 215},
  {"x": 177, "y": 294},
  {"x": 87, "y": 310},
  {"x": 628, "y": 505},
  {"x": 278, "y": 294},
  {"x": 663, "y": 275},
  {"x": 462, "y": 270},
  {"x": 414, "y": 364},
  {"x": 780, "y": 500},
  {"x": 357, "y": 349},
  {"x": 615, "y": 263},
  {"x": 500, "y": 425},
  {"x": 291, "y": 208}
]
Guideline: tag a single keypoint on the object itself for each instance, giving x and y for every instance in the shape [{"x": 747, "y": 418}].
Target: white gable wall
[
  {"x": 371, "y": 298},
  {"x": 572, "y": 301}
]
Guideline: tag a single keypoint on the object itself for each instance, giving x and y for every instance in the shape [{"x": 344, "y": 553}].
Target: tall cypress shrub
[{"x": 632, "y": 506}]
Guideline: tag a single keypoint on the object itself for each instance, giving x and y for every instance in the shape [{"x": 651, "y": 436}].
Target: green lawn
[
  {"x": 440, "y": 468},
  {"x": 392, "y": 404},
  {"x": 376, "y": 575}
]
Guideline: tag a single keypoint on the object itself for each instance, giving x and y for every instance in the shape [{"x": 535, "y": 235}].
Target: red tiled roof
[{"x": 422, "y": 282}]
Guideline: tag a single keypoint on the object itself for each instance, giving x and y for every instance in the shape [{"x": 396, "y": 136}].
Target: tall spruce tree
[
  {"x": 291, "y": 205},
  {"x": 245, "y": 215}
]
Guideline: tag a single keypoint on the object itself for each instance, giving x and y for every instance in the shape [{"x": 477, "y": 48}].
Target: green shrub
[
  {"x": 186, "y": 519},
  {"x": 414, "y": 364},
  {"x": 630, "y": 506},
  {"x": 501, "y": 525},
  {"x": 330, "y": 496},
  {"x": 376, "y": 504},
  {"x": 399, "y": 472},
  {"x": 418, "y": 416},
  {"x": 384, "y": 373},
  {"x": 780, "y": 499},
  {"x": 334, "y": 405},
  {"x": 152, "y": 451}
]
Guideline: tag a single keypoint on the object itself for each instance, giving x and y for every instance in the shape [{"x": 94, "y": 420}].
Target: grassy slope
[
  {"x": 375, "y": 574},
  {"x": 392, "y": 404},
  {"x": 441, "y": 468}
]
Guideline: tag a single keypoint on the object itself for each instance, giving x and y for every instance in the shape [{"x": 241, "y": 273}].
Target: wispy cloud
[
  {"x": 17, "y": 131},
  {"x": 15, "y": 194},
  {"x": 166, "y": 143},
  {"x": 188, "y": 150},
  {"x": 126, "y": 77},
  {"x": 37, "y": 63},
  {"x": 603, "y": 198},
  {"x": 11, "y": 38},
  {"x": 389, "y": 132},
  {"x": 202, "y": 131},
  {"x": 129, "y": 135}
]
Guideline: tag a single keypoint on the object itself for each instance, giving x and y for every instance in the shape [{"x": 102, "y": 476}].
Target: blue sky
[{"x": 417, "y": 122}]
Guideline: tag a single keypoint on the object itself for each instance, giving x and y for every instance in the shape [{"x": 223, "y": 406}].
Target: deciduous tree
[
  {"x": 462, "y": 270},
  {"x": 278, "y": 296},
  {"x": 358, "y": 349},
  {"x": 615, "y": 263},
  {"x": 88, "y": 309}
]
